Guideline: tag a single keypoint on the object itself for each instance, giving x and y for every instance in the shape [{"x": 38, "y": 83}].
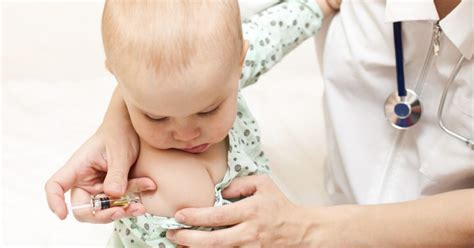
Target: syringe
[{"x": 103, "y": 201}]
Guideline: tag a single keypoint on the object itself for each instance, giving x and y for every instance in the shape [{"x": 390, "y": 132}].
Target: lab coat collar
[
  {"x": 459, "y": 28},
  {"x": 458, "y": 25},
  {"x": 410, "y": 10}
]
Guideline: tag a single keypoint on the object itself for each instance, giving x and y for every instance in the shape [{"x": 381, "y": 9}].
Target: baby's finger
[{"x": 137, "y": 185}]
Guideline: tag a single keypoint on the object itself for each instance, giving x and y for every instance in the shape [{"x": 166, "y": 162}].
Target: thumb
[
  {"x": 242, "y": 187},
  {"x": 118, "y": 166}
]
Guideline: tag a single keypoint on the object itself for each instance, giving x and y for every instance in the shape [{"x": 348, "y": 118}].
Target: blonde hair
[{"x": 168, "y": 34}]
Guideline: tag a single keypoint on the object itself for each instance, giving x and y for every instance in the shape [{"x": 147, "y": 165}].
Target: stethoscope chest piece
[
  {"x": 403, "y": 112},
  {"x": 403, "y": 108}
]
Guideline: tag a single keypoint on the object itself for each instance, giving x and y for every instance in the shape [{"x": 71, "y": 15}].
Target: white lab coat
[{"x": 368, "y": 160}]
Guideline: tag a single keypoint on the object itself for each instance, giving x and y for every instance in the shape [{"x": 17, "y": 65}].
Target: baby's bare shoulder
[{"x": 182, "y": 180}]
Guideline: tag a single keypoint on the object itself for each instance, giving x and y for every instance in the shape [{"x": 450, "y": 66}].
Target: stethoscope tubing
[
  {"x": 397, "y": 34},
  {"x": 467, "y": 141}
]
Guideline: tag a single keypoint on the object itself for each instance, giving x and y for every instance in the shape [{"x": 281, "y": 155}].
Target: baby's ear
[{"x": 245, "y": 47}]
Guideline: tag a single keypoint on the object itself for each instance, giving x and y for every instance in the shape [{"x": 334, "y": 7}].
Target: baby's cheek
[
  {"x": 157, "y": 138},
  {"x": 228, "y": 116},
  {"x": 229, "y": 121},
  {"x": 222, "y": 130}
]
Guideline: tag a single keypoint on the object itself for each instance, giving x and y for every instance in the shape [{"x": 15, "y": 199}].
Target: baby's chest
[
  {"x": 215, "y": 162},
  {"x": 162, "y": 164},
  {"x": 182, "y": 179}
]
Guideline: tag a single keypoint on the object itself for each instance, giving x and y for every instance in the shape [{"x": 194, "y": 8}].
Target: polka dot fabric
[{"x": 271, "y": 34}]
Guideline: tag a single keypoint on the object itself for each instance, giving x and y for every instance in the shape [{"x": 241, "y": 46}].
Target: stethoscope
[{"x": 403, "y": 108}]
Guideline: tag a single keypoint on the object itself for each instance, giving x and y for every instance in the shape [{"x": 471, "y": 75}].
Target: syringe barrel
[{"x": 102, "y": 201}]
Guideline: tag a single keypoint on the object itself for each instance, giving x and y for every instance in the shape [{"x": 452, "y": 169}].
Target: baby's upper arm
[
  {"x": 275, "y": 32},
  {"x": 182, "y": 181}
]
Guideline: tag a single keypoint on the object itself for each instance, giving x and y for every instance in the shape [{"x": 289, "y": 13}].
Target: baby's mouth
[{"x": 197, "y": 149}]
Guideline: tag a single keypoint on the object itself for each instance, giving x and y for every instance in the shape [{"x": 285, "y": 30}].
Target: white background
[{"x": 55, "y": 90}]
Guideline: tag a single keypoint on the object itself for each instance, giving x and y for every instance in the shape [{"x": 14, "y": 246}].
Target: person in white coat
[{"x": 395, "y": 183}]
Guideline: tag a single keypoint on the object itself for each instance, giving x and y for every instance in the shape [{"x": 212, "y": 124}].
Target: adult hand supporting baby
[
  {"x": 108, "y": 155},
  {"x": 266, "y": 218}
]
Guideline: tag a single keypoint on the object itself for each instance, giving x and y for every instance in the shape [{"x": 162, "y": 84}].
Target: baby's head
[{"x": 177, "y": 63}]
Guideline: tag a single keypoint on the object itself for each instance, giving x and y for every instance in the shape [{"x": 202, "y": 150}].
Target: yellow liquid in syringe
[{"x": 103, "y": 201}]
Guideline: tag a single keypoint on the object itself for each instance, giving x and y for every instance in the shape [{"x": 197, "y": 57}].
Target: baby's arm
[
  {"x": 275, "y": 32},
  {"x": 183, "y": 179}
]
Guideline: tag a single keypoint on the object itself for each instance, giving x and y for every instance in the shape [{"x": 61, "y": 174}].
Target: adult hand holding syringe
[{"x": 110, "y": 151}]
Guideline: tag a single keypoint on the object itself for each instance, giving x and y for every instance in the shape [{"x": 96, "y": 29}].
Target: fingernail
[
  {"x": 170, "y": 235},
  {"x": 179, "y": 217},
  {"x": 116, "y": 216},
  {"x": 149, "y": 187}
]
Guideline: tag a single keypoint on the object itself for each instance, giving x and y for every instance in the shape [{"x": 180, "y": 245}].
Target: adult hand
[
  {"x": 266, "y": 218},
  {"x": 105, "y": 155}
]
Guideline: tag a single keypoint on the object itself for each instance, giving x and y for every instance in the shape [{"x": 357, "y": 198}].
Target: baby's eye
[
  {"x": 211, "y": 112},
  {"x": 155, "y": 118}
]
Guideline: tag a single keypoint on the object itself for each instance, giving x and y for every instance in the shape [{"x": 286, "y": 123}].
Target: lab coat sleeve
[{"x": 275, "y": 32}]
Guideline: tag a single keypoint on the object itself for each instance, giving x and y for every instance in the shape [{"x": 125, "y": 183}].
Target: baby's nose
[{"x": 186, "y": 134}]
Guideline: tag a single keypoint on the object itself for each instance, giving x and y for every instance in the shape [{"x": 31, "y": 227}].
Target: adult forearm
[{"x": 444, "y": 220}]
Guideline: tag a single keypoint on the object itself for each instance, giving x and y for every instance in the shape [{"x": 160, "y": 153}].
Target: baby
[{"x": 180, "y": 65}]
